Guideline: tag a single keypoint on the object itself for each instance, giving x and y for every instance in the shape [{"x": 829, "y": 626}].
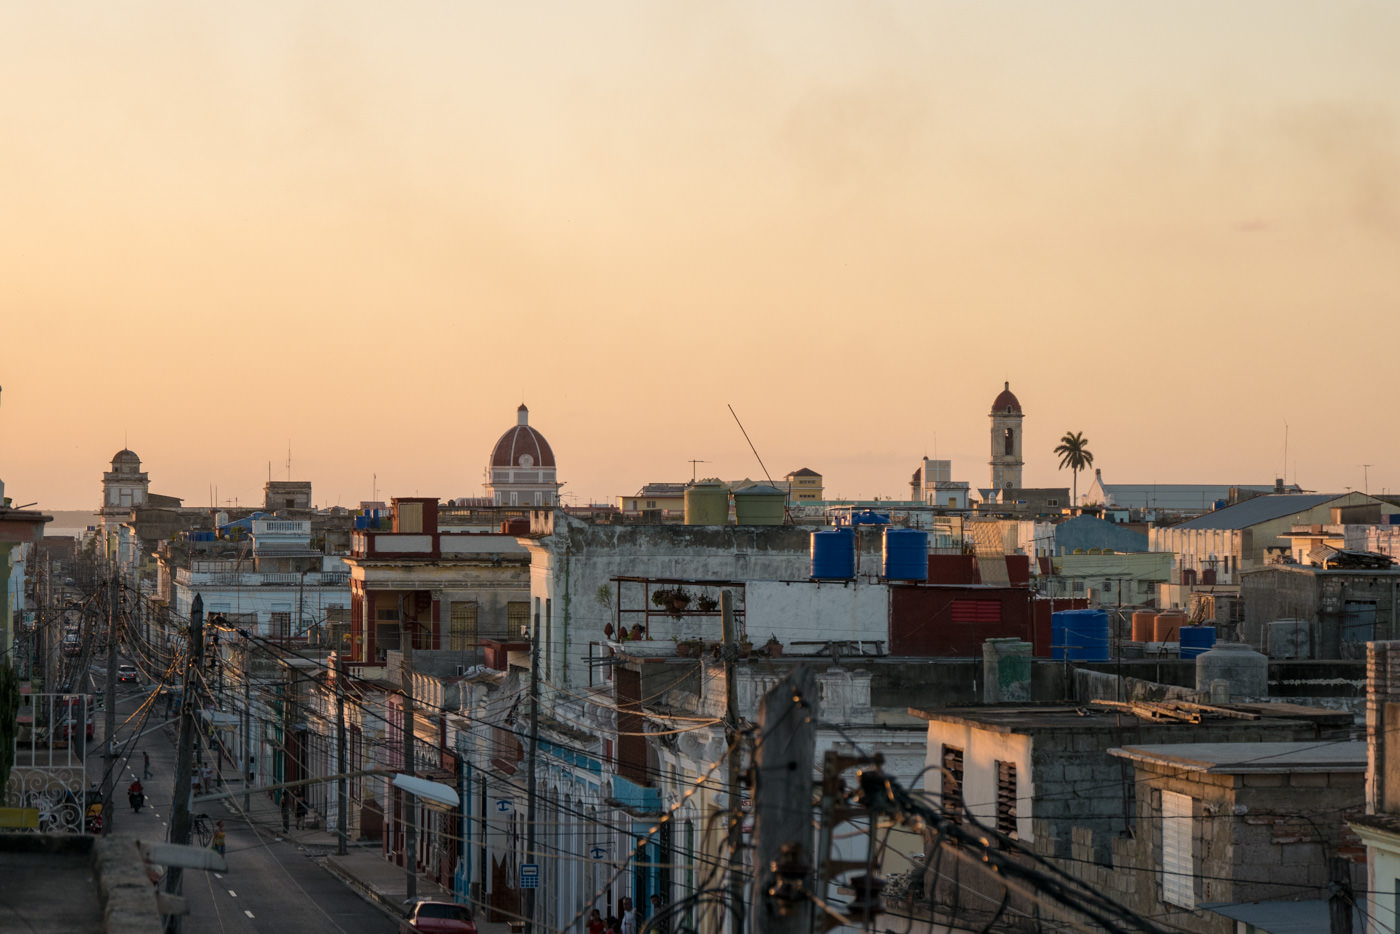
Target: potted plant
[
  {"x": 745, "y": 647},
  {"x": 673, "y": 601},
  {"x": 773, "y": 647},
  {"x": 706, "y": 603},
  {"x": 688, "y": 647}
]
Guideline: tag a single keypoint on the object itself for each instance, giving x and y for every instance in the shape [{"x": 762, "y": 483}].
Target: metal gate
[{"x": 49, "y": 777}]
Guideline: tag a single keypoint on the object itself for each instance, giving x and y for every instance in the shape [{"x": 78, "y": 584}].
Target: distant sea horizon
[{"x": 72, "y": 522}]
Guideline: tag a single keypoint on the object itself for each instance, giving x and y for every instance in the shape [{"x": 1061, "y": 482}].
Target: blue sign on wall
[{"x": 529, "y": 875}]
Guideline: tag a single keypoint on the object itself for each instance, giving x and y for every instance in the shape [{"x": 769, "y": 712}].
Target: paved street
[{"x": 273, "y": 883}]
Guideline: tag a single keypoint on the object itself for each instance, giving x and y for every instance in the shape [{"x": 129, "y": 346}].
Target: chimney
[{"x": 1278, "y": 483}]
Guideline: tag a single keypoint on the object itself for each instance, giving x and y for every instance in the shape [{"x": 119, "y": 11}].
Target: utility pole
[
  {"x": 534, "y": 746},
  {"x": 782, "y": 806},
  {"x": 410, "y": 801},
  {"x": 184, "y": 762},
  {"x": 109, "y": 728},
  {"x": 247, "y": 724},
  {"x": 342, "y": 787},
  {"x": 729, "y": 653},
  {"x": 1339, "y": 902}
]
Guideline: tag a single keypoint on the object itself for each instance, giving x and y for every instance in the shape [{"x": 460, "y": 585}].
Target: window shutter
[{"x": 1178, "y": 868}]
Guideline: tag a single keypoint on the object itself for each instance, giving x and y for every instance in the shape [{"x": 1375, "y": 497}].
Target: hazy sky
[{"x": 368, "y": 231}]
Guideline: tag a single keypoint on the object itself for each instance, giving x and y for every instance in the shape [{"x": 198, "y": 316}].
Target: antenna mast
[{"x": 695, "y": 460}]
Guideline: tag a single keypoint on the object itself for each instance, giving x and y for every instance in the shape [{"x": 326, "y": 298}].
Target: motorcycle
[{"x": 137, "y": 800}]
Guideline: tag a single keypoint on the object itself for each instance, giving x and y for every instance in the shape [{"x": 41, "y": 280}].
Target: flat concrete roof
[{"x": 1251, "y": 758}]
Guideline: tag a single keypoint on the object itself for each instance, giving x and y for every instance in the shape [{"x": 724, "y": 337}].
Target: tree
[{"x": 1075, "y": 454}]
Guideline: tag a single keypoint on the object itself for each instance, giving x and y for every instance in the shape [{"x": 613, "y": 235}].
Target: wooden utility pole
[
  {"x": 184, "y": 761},
  {"x": 410, "y": 801},
  {"x": 729, "y": 653},
  {"x": 342, "y": 787},
  {"x": 783, "y": 807},
  {"x": 534, "y": 745},
  {"x": 109, "y": 727}
]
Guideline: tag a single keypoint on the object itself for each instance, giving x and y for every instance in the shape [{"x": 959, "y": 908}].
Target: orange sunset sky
[{"x": 368, "y": 231}]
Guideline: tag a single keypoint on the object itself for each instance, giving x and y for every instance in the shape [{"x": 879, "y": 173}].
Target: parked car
[
  {"x": 128, "y": 673},
  {"x": 430, "y": 917}
]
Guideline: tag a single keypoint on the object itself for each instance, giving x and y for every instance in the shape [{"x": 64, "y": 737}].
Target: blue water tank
[
  {"x": 1079, "y": 635},
  {"x": 834, "y": 554},
  {"x": 869, "y": 517},
  {"x": 1196, "y": 640},
  {"x": 906, "y": 554}
]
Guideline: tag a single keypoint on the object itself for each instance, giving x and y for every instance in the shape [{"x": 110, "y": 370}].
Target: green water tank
[
  {"x": 760, "y": 505},
  {"x": 707, "y": 503}
]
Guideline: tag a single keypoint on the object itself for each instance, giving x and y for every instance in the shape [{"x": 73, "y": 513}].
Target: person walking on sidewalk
[
  {"x": 145, "y": 765},
  {"x": 220, "y": 840},
  {"x": 301, "y": 812}
]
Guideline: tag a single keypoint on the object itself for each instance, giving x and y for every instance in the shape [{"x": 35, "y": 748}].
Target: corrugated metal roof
[
  {"x": 1305, "y": 917},
  {"x": 1257, "y": 510}
]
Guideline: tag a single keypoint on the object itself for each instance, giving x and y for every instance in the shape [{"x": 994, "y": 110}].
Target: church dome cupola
[
  {"x": 521, "y": 470},
  {"x": 1006, "y": 402}
]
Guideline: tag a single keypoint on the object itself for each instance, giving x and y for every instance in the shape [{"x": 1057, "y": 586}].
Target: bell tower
[{"x": 1006, "y": 460}]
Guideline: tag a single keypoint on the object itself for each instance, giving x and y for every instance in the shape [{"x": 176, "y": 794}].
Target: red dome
[
  {"x": 522, "y": 446},
  {"x": 1006, "y": 403}
]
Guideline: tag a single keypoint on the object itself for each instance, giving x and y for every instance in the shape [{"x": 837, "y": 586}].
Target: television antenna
[{"x": 693, "y": 461}]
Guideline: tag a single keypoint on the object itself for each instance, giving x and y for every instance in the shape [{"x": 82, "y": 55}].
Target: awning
[{"x": 431, "y": 791}]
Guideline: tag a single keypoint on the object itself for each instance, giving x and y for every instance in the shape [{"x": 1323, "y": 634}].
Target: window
[
  {"x": 281, "y": 624},
  {"x": 517, "y": 617},
  {"x": 952, "y": 798},
  {"x": 1178, "y": 866},
  {"x": 1010, "y": 441},
  {"x": 1006, "y": 798},
  {"x": 462, "y": 627}
]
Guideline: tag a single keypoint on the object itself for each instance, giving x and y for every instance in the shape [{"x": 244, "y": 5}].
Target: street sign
[
  {"x": 529, "y": 875},
  {"x": 504, "y": 805}
]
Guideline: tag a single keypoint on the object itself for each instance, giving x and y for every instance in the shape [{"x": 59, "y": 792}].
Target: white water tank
[{"x": 1246, "y": 670}]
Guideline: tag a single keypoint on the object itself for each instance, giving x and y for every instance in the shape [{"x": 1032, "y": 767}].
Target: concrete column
[{"x": 1382, "y": 717}]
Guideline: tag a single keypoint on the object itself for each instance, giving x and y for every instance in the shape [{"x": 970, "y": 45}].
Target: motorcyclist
[{"x": 136, "y": 795}]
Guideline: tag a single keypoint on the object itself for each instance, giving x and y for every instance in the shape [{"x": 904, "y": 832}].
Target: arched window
[{"x": 1010, "y": 441}]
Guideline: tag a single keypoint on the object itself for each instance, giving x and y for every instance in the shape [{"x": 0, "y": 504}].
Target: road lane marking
[
  {"x": 247, "y": 912},
  {"x": 232, "y": 893}
]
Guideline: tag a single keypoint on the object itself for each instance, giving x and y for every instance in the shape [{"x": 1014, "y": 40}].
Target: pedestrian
[
  {"x": 594, "y": 924},
  {"x": 146, "y": 764},
  {"x": 301, "y": 812},
  {"x": 286, "y": 811},
  {"x": 194, "y": 784},
  {"x": 610, "y": 925},
  {"x": 629, "y": 916},
  {"x": 206, "y": 776},
  {"x": 220, "y": 841},
  {"x": 659, "y": 924}
]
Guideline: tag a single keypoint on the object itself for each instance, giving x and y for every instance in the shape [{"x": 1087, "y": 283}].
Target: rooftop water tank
[
  {"x": 906, "y": 554},
  {"x": 1166, "y": 627},
  {"x": 706, "y": 503},
  {"x": 1196, "y": 640},
  {"x": 760, "y": 505},
  {"x": 1246, "y": 670},
  {"x": 1143, "y": 620},
  {"x": 1079, "y": 635},
  {"x": 834, "y": 554}
]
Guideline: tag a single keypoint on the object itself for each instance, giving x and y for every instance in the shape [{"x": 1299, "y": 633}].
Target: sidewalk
[{"x": 363, "y": 867}]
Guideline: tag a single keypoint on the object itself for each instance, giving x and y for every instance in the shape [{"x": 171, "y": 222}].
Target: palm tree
[{"x": 1074, "y": 454}]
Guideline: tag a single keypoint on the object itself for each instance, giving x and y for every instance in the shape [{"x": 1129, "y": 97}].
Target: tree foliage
[{"x": 1075, "y": 454}]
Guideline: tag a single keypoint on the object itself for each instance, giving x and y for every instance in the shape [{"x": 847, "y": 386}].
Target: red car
[{"x": 438, "y": 918}]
